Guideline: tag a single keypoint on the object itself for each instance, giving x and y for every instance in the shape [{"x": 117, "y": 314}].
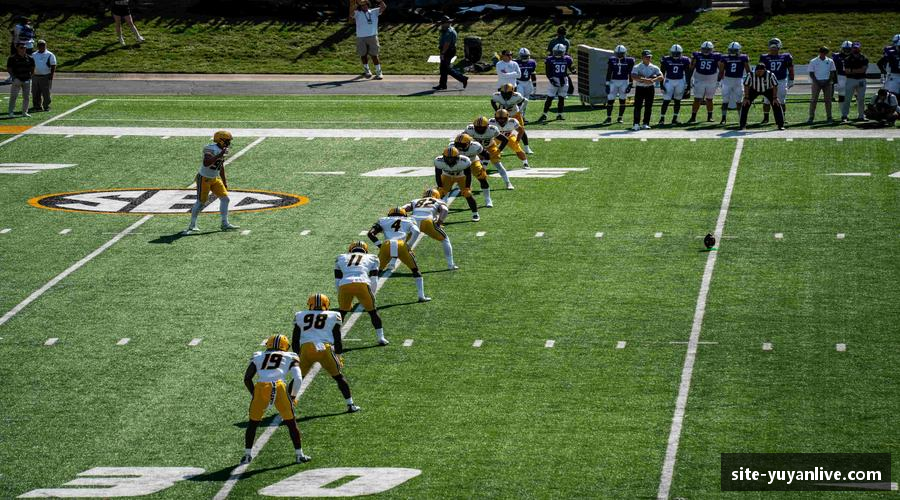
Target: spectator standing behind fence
[
  {"x": 644, "y": 75},
  {"x": 121, "y": 9},
  {"x": 42, "y": 81},
  {"x": 508, "y": 71},
  {"x": 822, "y": 75},
  {"x": 447, "y": 46},
  {"x": 21, "y": 67},
  {"x": 762, "y": 82},
  {"x": 22, "y": 32},
  {"x": 855, "y": 67},
  {"x": 366, "y": 20}
]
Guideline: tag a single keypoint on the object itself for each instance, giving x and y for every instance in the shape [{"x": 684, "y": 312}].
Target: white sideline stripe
[
  {"x": 668, "y": 468},
  {"x": 51, "y": 120},
  {"x": 539, "y": 234},
  {"x": 65, "y": 231},
  {"x": 5, "y": 230},
  {"x": 123, "y": 341},
  {"x": 51, "y": 341},
  {"x": 305, "y": 232},
  {"x": 658, "y": 235},
  {"x": 779, "y": 236},
  {"x": 408, "y": 343},
  {"x": 853, "y": 174},
  {"x": 598, "y": 235},
  {"x": 323, "y": 173},
  {"x": 841, "y": 236},
  {"x": 767, "y": 346},
  {"x": 621, "y": 344},
  {"x": 195, "y": 342},
  {"x": 89, "y": 257},
  {"x": 841, "y": 347},
  {"x": 480, "y": 234},
  {"x": 477, "y": 343},
  {"x": 245, "y": 232},
  {"x": 549, "y": 343},
  {"x": 238, "y": 471}
]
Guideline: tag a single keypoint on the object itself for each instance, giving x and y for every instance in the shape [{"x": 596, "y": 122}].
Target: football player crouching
[
  {"x": 429, "y": 213},
  {"x": 513, "y": 102},
  {"x": 509, "y": 128},
  {"x": 399, "y": 234},
  {"x": 451, "y": 169},
  {"x": 491, "y": 140},
  {"x": 356, "y": 277},
  {"x": 317, "y": 339},
  {"x": 472, "y": 150},
  {"x": 273, "y": 366}
]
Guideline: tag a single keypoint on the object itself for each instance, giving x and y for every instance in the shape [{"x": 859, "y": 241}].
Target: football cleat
[
  {"x": 452, "y": 267},
  {"x": 524, "y": 54},
  {"x": 367, "y": 74},
  {"x": 528, "y": 150},
  {"x": 676, "y": 50},
  {"x": 543, "y": 117},
  {"x": 383, "y": 341},
  {"x": 424, "y": 299},
  {"x": 620, "y": 50},
  {"x": 775, "y": 43},
  {"x": 560, "y": 117},
  {"x": 502, "y": 116},
  {"x": 222, "y": 138},
  {"x": 431, "y": 193},
  {"x": 636, "y": 127},
  {"x": 229, "y": 226},
  {"x": 353, "y": 408},
  {"x": 646, "y": 127},
  {"x": 358, "y": 246},
  {"x": 278, "y": 343},
  {"x": 619, "y": 120},
  {"x": 397, "y": 211},
  {"x": 190, "y": 230},
  {"x": 462, "y": 141},
  {"x": 246, "y": 459},
  {"x": 303, "y": 458},
  {"x": 734, "y": 48},
  {"x": 709, "y": 241},
  {"x": 507, "y": 89},
  {"x": 559, "y": 50},
  {"x": 475, "y": 217},
  {"x": 450, "y": 156},
  {"x": 489, "y": 204},
  {"x": 707, "y": 47},
  {"x": 480, "y": 124},
  {"x": 318, "y": 302},
  {"x": 608, "y": 120}
]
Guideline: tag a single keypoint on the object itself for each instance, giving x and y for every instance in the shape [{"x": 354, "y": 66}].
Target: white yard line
[
  {"x": 238, "y": 471},
  {"x": 668, "y": 468},
  {"x": 89, "y": 257},
  {"x": 51, "y": 120}
]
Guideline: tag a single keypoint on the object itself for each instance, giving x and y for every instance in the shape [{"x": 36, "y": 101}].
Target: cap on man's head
[
  {"x": 760, "y": 66},
  {"x": 856, "y": 45},
  {"x": 646, "y": 53}
]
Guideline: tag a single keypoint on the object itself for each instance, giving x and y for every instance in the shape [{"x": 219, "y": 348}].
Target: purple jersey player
[
  {"x": 781, "y": 64},
  {"x": 734, "y": 65},
  {"x": 705, "y": 70},
  {"x": 558, "y": 67},
  {"x": 675, "y": 67},
  {"x": 618, "y": 80}
]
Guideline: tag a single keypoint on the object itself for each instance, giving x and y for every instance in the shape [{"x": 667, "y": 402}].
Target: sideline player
[
  {"x": 732, "y": 68},
  {"x": 399, "y": 235},
  {"x": 558, "y": 66},
  {"x": 472, "y": 150},
  {"x": 317, "y": 339},
  {"x": 889, "y": 65},
  {"x": 451, "y": 168},
  {"x": 781, "y": 64},
  {"x": 675, "y": 67},
  {"x": 429, "y": 213},
  {"x": 838, "y": 58},
  {"x": 510, "y": 100},
  {"x": 272, "y": 366},
  {"x": 212, "y": 178},
  {"x": 492, "y": 141},
  {"x": 509, "y": 127},
  {"x": 356, "y": 277},
  {"x": 618, "y": 81},
  {"x": 527, "y": 83},
  {"x": 705, "y": 71}
]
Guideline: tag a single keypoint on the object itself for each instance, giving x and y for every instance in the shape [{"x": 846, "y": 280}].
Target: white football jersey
[
  {"x": 487, "y": 137},
  {"x": 317, "y": 327},
  {"x": 397, "y": 228},
  {"x": 428, "y": 208},
  {"x": 509, "y": 130},
  {"x": 472, "y": 152},
  {"x": 355, "y": 267},
  {"x": 513, "y": 104},
  {"x": 211, "y": 171},
  {"x": 454, "y": 170},
  {"x": 272, "y": 366}
]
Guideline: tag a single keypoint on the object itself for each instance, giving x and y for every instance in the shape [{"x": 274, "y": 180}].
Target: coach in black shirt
[
  {"x": 761, "y": 83},
  {"x": 855, "y": 66},
  {"x": 20, "y": 66}
]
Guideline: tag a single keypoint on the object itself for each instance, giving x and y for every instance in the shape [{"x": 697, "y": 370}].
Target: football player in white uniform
[
  {"x": 400, "y": 232},
  {"x": 471, "y": 150},
  {"x": 492, "y": 140},
  {"x": 513, "y": 102},
  {"x": 509, "y": 128},
  {"x": 356, "y": 277},
  {"x": 317, "y": 339},
  {"x": 212, "y": 178},
  {"x": 452, "y": 168},
  {"x": 273, "y": 366},
  {"x": 429, "y": 213},
  {"x": 527, "y": 83}
]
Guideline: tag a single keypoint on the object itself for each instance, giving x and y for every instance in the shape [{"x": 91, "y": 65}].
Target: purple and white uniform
[
  {"x": 674, "y": 69},
  {"x": 523, "y": 84},
  {"x": 733, "y": 80},
  {"x": 618, "y": 72},
  {"x": 706, "y": 74},
  {"x": 558, "y": 72},
  {"x": 778, "y": 65}
]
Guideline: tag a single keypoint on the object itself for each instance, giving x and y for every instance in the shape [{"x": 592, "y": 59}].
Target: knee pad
[{"x": 465, "y": 192}]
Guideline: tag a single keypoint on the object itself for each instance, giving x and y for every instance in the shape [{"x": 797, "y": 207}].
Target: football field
[{"x": 588, "y": 346}]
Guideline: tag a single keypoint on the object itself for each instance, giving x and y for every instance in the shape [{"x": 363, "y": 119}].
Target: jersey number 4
[
  {"x": 315, "y": 320},
  {"x": 397, "y": 225}
]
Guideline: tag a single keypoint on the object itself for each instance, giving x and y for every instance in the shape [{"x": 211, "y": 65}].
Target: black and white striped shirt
[{"x": 760, "y": 83}]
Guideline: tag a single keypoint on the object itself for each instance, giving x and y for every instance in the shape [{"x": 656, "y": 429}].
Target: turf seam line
[
  {"x": 51, "y": 120},
  {"x": 668, "y": 467}
]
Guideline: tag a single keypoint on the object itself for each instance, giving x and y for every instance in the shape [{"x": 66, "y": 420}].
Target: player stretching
[
  {"x": 429, "y": 213},
  {"x": 317, "y": 338},
  {"x": 272, "y": 366},
  {"x": 399, "y": 235},
  {"x": 558, "y": 66},
  {"x": 212, "y": 178},
  {"x": 356, "y": 277}
]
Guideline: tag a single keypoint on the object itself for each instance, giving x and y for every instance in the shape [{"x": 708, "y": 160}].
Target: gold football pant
[
  {"x": 359, "y": 291},
  {"x": 514, "y": 145},
  {"x": 396, "y": 249},
  {"x": 435, "y": 232},
  {"x": 330, "y": 361},
  {"x": 266, "y": 393},
  {"x": 464, "y": 183},
  {"x": 206, "y": 184}
]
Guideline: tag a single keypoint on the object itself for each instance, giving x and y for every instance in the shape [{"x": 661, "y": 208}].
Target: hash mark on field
[
  {"x": 65, "y": 231},
  {"x": 363, "y": 233},
  {"x": 779, "y": 236},
  {"x": 477, "y": 343},
  {"x": 595, "y": 139},
  {"x": 841, "y": 236},
  {"x": 620, "y": 344},
  {"x": 547, "y": 139},
  {"x": 310, "y": 138},
  {"x": 643, "y": 139},
  {"x": 598, "y": 235},
  {"x": 5, "y": 230},
  {"x": 194, "y": 342},
  {"x": 408, "y": 343},
  {"x": 891, "y": 139},
  {"x": 789, "y": 139},
  {"x": 841, "y": 347},
  {"x": 305, "y": 232},
  {"x": 165, "y": 137},
  {"x": 245, "y": 232},
  {"x": 480, "y": 234},
  {"x": 693, "y": 139},
  {"x": 550, "y": 343},
  {"x": 539, "y": 234},
  {"x": 767, "y": 346},
  {"x": 51, "y": 341},
  {"x": 658, "y": 235},
  {"x": 69, "y": 136},
  {"x": 840, "y": 139},
  {"x": 405, "y": 139},
  {"x": 357, "y": 138},
  {"x": 123, "y": 341},
  {"x": 117, "y": 137}
]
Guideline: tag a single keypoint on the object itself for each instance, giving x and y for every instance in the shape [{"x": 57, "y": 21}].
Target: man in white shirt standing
[
  {"x": 42, "y": 80},
  {"x": 508, "y": 71},
  {"x": 367, "y": 35},
  {"x": 822, "y": 75}
]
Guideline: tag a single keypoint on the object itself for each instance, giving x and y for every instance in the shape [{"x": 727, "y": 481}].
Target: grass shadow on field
[
  {"x": 337, "y": 83},
  {"x": 262, "y": 423},
  {"x": 102, "y": 51},
  {"x": 323, "y": 415},
  {"x": 351, "y": 349},
  {"x": 224, "y": 473}
]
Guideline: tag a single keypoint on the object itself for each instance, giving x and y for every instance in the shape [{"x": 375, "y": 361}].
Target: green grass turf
[
  {"x": 219, "y": 45},
  {"x": 509, "y": 419},
  {"x": 384, "y": 112}
]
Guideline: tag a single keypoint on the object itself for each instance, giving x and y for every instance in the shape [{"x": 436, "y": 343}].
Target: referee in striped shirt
[{"x": 761, "y": 83}]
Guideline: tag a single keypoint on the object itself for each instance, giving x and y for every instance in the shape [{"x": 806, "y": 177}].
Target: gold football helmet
[
  {"x": 480, "y": 124},
  {"x": 358, "y": 246},
  {"x": 318, "y": 302},
  {"x": 507, "y": 90},
  {"x": 462, "y": 141},
  {"x": 222, "y": 138},
  {"x": 451, "y": 156},
  {"x": 431, "y": 193},
  {"x": 502, "y": 116},
  {"x": 396, "y": 212},
  {"x": 278, "y": 343}
]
